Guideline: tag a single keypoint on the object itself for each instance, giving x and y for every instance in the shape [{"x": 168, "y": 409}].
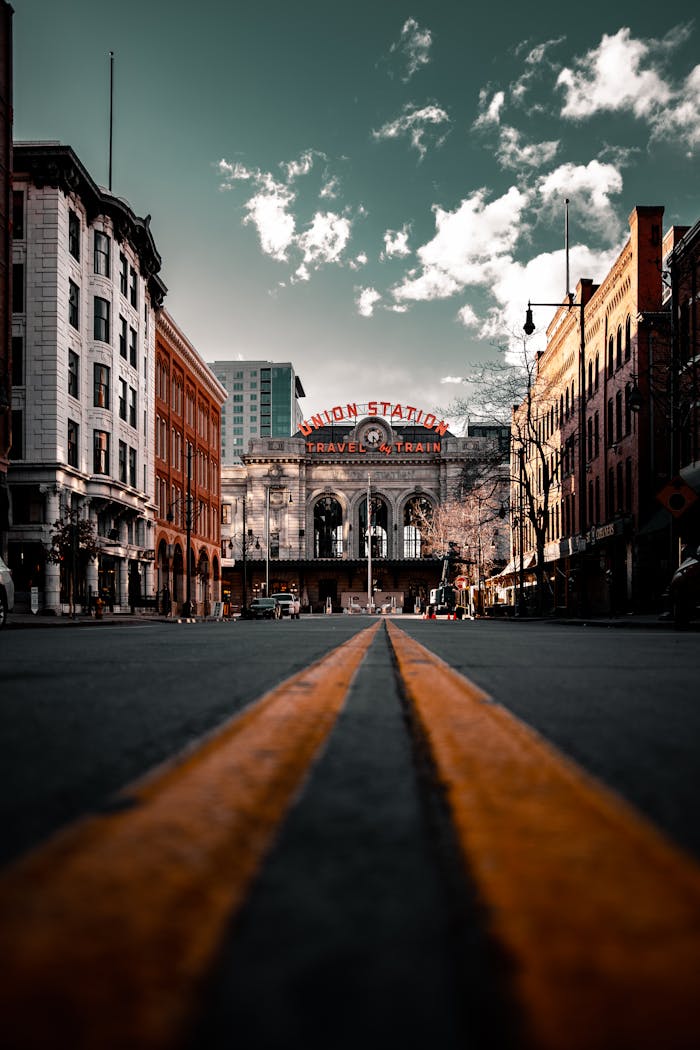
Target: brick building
[
  {"x": 601, "y": 449},
  {"x": 5, "y": 263},
  {"x": 188, "y": 400}
]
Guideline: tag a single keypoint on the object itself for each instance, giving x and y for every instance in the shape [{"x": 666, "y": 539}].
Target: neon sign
[
  {"x": 356, "y": 447},
  {"x": 395, "y": 412}
]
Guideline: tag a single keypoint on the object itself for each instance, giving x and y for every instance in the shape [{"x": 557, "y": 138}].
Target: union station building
[{"x": 294, "y": 514}]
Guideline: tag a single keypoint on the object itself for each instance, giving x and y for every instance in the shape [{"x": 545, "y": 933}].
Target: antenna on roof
[
  {"x": 111, "y": 110},
  {"x": 568, "y": 294}
]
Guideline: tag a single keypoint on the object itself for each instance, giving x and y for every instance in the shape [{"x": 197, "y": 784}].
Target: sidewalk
[{"x": 29, "y": 620}]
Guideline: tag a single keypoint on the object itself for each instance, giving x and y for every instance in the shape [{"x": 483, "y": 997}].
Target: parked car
[
  {"x": 7, "y": 593},
  {"x": 262, "y": 609},
  {"x": 289, "y": 604},
  {"x": 684, "y": 589}
]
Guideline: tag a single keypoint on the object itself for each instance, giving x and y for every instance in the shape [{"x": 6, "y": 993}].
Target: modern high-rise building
[{"x": 262, "y": 402}]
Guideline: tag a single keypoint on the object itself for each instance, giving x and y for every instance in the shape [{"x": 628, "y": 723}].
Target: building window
[
  {"x": 132, "y": 407},
  {"x": 596, "y": 434},
  {"x": 100, "y": 452},
  {"x": 122, "y": 399},
  {"x": 122, "y": 462},
  {"x": 611, "y": 435},
  {"x": 73, "y": 305},
  {"x": 618, "y": 358},
  {"x": 17, "y": 360},
  {"x": 618, "y": 415},
  {"x": 132, "y": 467},
  {"x": 17, "y": 447},
  {"x": 74, "y": 235},
  {"x": 597, "y": 371},
  {"x": 17, "y": 215},
  {"x": 72, "y": 443},
  {"x": 628, "y": 410},
  {"x": 101, "y": 261},
  {"x": 628, "y": 339},
  {"x": 133, "y": 288},
  {"x": 101, "y": 315},
  {"x": 101, "y": 386},
  {"x": 122, "y": 337},
  {"x": 611, "y": 493},
  {"x": 18, "y": 288},
  {"x": 628, "y": 485},
  {"x": 73, "y": 374},
  {"x": 123, "y": 274},
  {"x": 132, "y": 347},
  {"x": 611, "y": 355}
]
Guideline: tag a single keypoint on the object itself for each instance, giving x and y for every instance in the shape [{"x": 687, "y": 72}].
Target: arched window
[
  {"x": 590, "y": 378},
  {"x": 611, "y": 354},
  {"x": 597, "y": 371},
  {"x": 417, "y": 513},
  {"x": 378, "y": 526},
  {"x": 628, "y": 338},
  {"x": 618, "y": 360},
  {"x": 328, "y": 528}
]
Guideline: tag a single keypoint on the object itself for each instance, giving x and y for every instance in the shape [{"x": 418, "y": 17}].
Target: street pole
[
  {"x": 188, "y": 529},
  {"x": 267, "y": 542},
  {"x": 245, "y": 577},
  {"x": 369, "y": 543}
]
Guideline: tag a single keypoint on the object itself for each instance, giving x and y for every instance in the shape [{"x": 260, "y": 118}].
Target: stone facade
[
  {"x": 298, "y": 507},
  {"x": 84, "y": 413}
]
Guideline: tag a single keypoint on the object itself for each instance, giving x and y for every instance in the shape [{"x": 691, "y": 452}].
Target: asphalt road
[{"x": 363, "y": 926}]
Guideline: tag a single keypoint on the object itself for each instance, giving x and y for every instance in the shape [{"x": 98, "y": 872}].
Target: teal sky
[{"x": 370, "y": 190}]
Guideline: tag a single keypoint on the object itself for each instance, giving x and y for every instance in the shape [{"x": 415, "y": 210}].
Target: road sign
[
  {"x": 461, "y": 583},
  {"x": 677, "y": 496}
]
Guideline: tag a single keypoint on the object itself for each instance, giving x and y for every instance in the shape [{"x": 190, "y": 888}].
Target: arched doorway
[
  {"x": 328, "y": 528},
  {"x": 379, "y": 527},
  {"x": 203, "y": 595},
  {"x": 178, "y": 576},
  {"x": 417, "y": 515}
]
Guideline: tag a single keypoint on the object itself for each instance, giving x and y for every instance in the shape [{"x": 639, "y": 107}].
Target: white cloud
[
  {"x": 467, "y": 247},
  {"x": 330, "y": 188},
  {"x": 414, "y": 45},
  {"x": 617, "y": 75},
  {"x": 490, "y": 110},
  {"x": 359, "y": 261},
  {"x": 366, "y": 301},
  {"x": 512, "y": 153},
  {"x": 452, "y": 379},
  {"x": 683, "y": 118},
  {"x": 325, "y": 239},
  {"x": 467, "y": 317},
  {"x": 417, "y": 124},
  {"x": 302, "y": 166},
  {"x": 267, "y": 211},
  {"x": 589, "y": 187},
  {"x": 541, "y": 279},
  {"x": 396, "y": 243}
]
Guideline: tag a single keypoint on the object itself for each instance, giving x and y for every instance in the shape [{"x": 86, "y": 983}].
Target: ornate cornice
[
  {"x": 179, "y": 341},
  {"x": 55, "y": 165}
]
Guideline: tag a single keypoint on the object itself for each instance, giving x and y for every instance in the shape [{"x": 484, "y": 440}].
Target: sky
[{"x": 372, "y": 191}]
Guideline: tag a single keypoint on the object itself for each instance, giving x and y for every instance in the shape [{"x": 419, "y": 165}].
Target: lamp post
[
  {"x": 529, "y": 328},
  {"x": 369, "y": 543}
]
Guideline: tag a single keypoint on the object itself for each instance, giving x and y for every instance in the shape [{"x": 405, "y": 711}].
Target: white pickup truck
[{"x": 289, "y": 604}]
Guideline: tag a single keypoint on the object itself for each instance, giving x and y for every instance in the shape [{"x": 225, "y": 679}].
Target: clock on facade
[{"x": 375, "y": 436}]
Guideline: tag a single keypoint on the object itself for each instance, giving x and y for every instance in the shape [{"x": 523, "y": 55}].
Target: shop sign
[
  {"x": 355, "y": 448},
  {"x": 395, "y": 412}
]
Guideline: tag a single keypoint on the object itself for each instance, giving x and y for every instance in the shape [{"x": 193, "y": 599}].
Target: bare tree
[
  {"x": 71, "y": 545},
  {"x": 512, "y": 391}
]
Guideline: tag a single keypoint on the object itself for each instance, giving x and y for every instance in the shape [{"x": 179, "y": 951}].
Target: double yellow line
[{"x": 113, "y": 926}]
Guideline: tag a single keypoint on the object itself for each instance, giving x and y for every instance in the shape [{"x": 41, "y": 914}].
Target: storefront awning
[{"x": 513, "y": 567}]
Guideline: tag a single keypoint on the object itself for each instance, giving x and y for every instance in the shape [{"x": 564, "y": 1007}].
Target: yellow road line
[
  {"x": 599, "y": 913},
  {"x": 107, "y": 932}
]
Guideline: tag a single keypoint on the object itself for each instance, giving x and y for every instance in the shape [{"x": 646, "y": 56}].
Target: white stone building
[{"x": 83, "y": 413}]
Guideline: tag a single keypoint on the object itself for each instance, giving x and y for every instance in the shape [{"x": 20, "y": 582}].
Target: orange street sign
[{"x": 677, "y": 496}]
